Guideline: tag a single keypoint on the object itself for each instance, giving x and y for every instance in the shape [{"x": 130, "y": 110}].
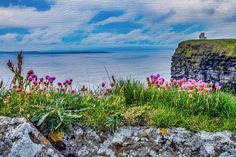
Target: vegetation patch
[
  {"x": 52, "y": 106},
  {"x": 225, "y": 47}
]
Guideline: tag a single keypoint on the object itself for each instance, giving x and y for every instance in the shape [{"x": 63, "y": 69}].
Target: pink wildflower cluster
[
  {"x": 108, "y": 88},
  {"x": 183, "y": 85},
  {"x": 65, "y": 86},
  {"x": 46, "y": 83},
  {"x": 158, "y": 81}
]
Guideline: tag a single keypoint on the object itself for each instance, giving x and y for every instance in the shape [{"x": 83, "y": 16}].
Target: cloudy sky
[{"x": 119, "y": 24}]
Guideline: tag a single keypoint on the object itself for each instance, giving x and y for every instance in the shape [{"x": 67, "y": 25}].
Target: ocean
[{"x": 90, "y": 68}]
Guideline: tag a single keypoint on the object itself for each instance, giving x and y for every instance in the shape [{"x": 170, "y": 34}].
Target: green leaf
[
  {"x": 35, "y": 118},
  {"x": 60, "y": 116},
  {"x": 81, "y": 110},
  {"x": 73, "y": 115},
  {"x": 43, "y": 118},
  {"x": 58, "y": 125}
]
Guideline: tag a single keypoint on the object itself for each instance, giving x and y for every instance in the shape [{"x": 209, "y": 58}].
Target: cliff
[{"x": 208, "y": 60}]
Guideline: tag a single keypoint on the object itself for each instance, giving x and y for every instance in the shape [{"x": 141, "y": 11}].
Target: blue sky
[{"x": 119, "y": 24}]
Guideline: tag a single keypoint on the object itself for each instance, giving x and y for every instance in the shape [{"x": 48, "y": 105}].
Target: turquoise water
[{"x": 89, "y": 68}]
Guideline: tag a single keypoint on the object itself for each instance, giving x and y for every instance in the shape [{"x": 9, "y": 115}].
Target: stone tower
[{"x": 202, "y": 36}]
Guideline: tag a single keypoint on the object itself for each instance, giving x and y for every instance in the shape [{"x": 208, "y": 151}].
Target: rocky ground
[{"x": 20, "y": 138}]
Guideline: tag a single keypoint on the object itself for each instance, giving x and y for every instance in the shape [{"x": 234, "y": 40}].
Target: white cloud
[
  {"x": 66, "y": 16},
  {"x": 9, "y": 37},
  {"x": 116, "y": 39}
]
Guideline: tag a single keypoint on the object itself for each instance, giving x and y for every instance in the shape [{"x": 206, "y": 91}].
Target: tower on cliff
[{"x": 202, "y": 36}]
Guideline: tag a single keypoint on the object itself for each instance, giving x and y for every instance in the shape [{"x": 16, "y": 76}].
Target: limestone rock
[
  {"x": 19, "y": 138},
  {"x": 148, "y": 141}
]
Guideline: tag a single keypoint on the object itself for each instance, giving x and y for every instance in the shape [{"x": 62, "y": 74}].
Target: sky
[{"x": 47, "y": 25}]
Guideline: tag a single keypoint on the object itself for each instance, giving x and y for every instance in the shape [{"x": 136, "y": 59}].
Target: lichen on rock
[
  {"x": 148, "y": 141},
  {"x": 19, "y": 138}
]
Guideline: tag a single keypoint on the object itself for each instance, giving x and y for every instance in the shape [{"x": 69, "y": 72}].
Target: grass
[
  {"x": 132, "y": 104},
  {"x": 219, "y": 46},
  {"x": 125, "y": 102}
]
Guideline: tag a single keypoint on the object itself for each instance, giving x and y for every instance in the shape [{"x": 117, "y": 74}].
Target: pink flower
[
  {"x": 65, "y": 83},
  {"x": 200, "y": 86},
  {"x": 109, "y": 90},
  {"x": 112, "y": 85},
  {"x": 161, "y": 79},
  {"x": 47, "y": 77},
  {"x": 70, "y": 82},
  {"x": 178, "y": 82},
  {"x": 30, "y": 79},
  {"x": 103, "y": 84},
  {"x": 73, "y": 91},
  {"x": 35, "y": 83},
  {"x": 50, "y": 80},
  {"x": 40, "y": 80},
  {"x": 207, "y": 89},
  {"x": 46, "y": 83},
  {"x": 184, "y": 79},
  {"x": 191, "y": 81},
  {"x": 18, "y": 90},
  {"x": 33, "y": 76},
  {"x": 217, "y": 86},
  {"x": 184, "y": 86},
  {"x": 59, "y": 84},
  {"x": 200, "y": 81},
  {"x": 152, "y": 77}
]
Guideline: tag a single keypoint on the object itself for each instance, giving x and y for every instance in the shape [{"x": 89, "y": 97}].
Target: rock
[
  {"x": 148, "y": 141},
  {"x": 81, "y": 142},
  {"x": 19, "y": 138},
  {"x": 208, "y": 60}
]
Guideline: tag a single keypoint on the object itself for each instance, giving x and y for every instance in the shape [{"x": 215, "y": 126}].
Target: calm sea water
[{"x": 89, "y": 68}]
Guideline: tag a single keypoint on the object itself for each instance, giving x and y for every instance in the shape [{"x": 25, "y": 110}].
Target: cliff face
[{"x": 207, "y": 60}]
